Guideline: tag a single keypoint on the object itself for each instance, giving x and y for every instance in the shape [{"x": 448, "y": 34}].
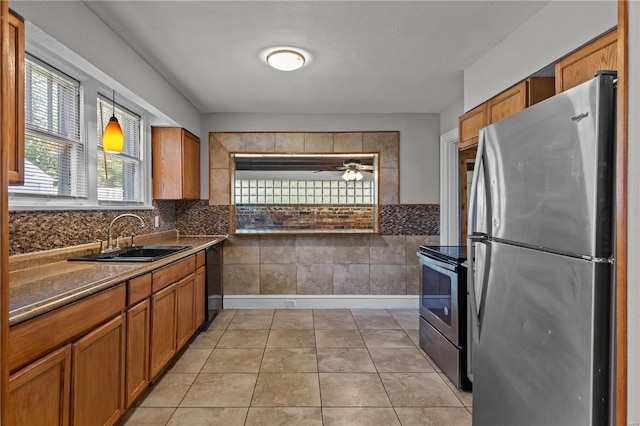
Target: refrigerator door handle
[
  {"x": 473, "y": 199},
  {"x": 474, "y": 237}
]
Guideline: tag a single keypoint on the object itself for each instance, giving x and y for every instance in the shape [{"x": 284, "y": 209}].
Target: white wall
[
  {"x": 449, "y": 117},
  {"x": 633, "y": 234},
  {"x": 554, "y": 31},
  {"x": 419, "y": 142},
  {"x": 76, "y": 27}
]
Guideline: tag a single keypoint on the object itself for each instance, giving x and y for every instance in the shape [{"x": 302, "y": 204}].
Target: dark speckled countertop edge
[{"x": 125, "y": 271}]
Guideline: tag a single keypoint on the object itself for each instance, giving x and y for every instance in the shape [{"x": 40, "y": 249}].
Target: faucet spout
[{"x": 110, "y": 242}]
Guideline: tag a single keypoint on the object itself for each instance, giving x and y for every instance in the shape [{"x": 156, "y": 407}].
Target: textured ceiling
[{"x": 366, "y": 57}]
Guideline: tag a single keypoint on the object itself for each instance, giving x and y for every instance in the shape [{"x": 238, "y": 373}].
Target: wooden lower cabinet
[
  {"x": 137, "y": 365},
  {"x": 200, "y": 296},
  {"x": 98, "y": 375},
  {"x": 186, "y": 318},
  {"x": 163, "y": 328},
  {"x": 39, "y": 393}
]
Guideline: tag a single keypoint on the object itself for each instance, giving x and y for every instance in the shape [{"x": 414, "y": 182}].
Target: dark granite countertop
[{"x": 39, "y": 289}]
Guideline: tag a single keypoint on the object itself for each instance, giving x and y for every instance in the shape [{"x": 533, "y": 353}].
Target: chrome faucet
[{"x": 110, "y": 243}]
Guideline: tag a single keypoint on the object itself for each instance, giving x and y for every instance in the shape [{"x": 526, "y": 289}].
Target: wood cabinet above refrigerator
[
  {"x": 582, "y": 64},
  {"x": 516, "y": 98}
]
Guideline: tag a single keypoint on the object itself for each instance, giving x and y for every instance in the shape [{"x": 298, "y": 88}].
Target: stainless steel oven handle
[{"x": 436, "y": 264}]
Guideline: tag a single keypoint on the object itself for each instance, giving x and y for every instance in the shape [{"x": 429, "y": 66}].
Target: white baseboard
[{"x": 333, "y": 301}]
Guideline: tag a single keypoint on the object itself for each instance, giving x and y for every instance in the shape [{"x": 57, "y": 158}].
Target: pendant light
[{"x": 112, "y": 139}]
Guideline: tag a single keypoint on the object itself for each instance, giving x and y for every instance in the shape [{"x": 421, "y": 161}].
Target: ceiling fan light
[
  {"x": 285, "y": 59},
  {"x": 358, "y": 175}
]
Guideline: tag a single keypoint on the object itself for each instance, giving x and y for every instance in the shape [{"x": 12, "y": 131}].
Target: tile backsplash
[{"x": 32, "y": 231}]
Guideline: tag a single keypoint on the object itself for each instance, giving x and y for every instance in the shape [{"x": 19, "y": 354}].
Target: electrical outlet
[
  {"x": 290, "y": 303},
  {"x": 156, "y": 221}
]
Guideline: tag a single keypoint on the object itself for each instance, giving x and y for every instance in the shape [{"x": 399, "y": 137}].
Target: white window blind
[
  {"x": 54, "y": 149},
  {"x": 122, "y": 179}
]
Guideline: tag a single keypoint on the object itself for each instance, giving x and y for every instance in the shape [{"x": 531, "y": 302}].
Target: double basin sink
[{"x": 133, "y": 254}]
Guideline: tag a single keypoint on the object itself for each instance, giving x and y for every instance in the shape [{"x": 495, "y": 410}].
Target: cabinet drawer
[
  {"x": 31, "y": 339},
  {"x": 172, "y": 273},
  {"x": 200, "y": 259},
  {"x": 138, "y": 288}
]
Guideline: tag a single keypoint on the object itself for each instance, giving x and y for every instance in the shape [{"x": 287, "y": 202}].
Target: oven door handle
[{"x": 436, "y": 264}]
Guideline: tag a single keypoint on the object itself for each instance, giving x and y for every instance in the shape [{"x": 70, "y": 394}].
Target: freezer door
[
  {"x": 550, "y": 172},
  {"x": 543, "y": 353}
]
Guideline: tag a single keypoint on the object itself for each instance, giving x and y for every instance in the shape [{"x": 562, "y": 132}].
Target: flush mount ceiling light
[{"x": 285, "y": 59}]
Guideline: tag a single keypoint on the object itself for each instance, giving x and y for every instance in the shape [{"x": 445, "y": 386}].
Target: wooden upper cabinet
[
  {"x": 581, "y": 65},
  {"x": 13, "y": 99},
  {"x": 507, "y": 103},
  {"x": 516, "y": 98},
  {"x": 524, "y": 94},
  {"x": 469, "y": 124},
  {"x": 176, "y": 164}
]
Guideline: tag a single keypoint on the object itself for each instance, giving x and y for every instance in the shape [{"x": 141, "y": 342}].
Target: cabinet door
[
  {"x": 99, "y": 375},
  {"x": 200, "y": 302},
  {"x": 163, "y": 328},
  {"x": 581, "y": 65},
  {"x": 186, "y": 309},
  {"x": 190, "y": 166},
  {"x": 469, "y": 125},
  {"x": 137, "y": 374},
  {"x": 507, "y": 103},
  {"x": 39, "y": 393},
  {"x": 13, "y": 100}
]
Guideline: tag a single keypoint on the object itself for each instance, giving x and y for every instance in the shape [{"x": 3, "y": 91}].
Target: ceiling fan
[{"x": 352, "y": 169}]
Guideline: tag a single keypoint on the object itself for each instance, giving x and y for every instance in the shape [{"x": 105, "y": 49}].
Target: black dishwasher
[{"x": 213, "y": 286}]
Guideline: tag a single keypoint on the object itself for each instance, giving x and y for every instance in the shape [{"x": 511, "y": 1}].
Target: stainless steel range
[{"x": 443, "y": 310}]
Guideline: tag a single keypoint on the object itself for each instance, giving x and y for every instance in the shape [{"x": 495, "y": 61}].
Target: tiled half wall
[
  {"x": 316, "y": 264},
  {"x": 323, "y": 264}
]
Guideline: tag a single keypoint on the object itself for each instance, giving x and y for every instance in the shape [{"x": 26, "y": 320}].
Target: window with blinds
[
  {"x": 120, "y": 175},
  {"x": 54, "y": 150}
]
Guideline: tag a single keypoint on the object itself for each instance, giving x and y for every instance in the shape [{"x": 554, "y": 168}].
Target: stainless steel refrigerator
[{"x": 541, "y": 240}]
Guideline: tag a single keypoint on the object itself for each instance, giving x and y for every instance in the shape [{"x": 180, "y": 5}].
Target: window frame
[{"x": 91, "y": 87}]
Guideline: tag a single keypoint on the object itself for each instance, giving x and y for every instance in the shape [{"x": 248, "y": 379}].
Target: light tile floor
[{"x": 304, "y": 367}]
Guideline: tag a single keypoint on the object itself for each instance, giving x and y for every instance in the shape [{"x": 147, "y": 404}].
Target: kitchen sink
[{"x": 133, "y": 254}]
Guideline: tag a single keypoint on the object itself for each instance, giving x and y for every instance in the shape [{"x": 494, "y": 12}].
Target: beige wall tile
[
  {"x": 313, "y": 249},
  {"x": 261, "y": 142},
  {"x": 318, "y": 142},
  {"x": 218, "y": 154},
  {"x": 388, "y": 249},
  {"x": 241, "y": 279},
  {"x": 347, "y": 142},
  {"x": 389, "y": 186},
  {"x": 244, "y": 249},
  {"x": 388, "y": 279},
  {"x": 413, "y": 245},
  {"x": 289, "y": 142},
  {"x": 277, "y": 279},
  {"x": 233, "y": 142},
  {"x": 350, "y": 279},
  {"x": 351, "y": 249},
  {"x": 315, "y": 279},
  {"x": 219, "y": 187},
  {"x": 413, "y": 279},
  {"x": 277, "y": 249},
  {"x": 384, "y": 142}
]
